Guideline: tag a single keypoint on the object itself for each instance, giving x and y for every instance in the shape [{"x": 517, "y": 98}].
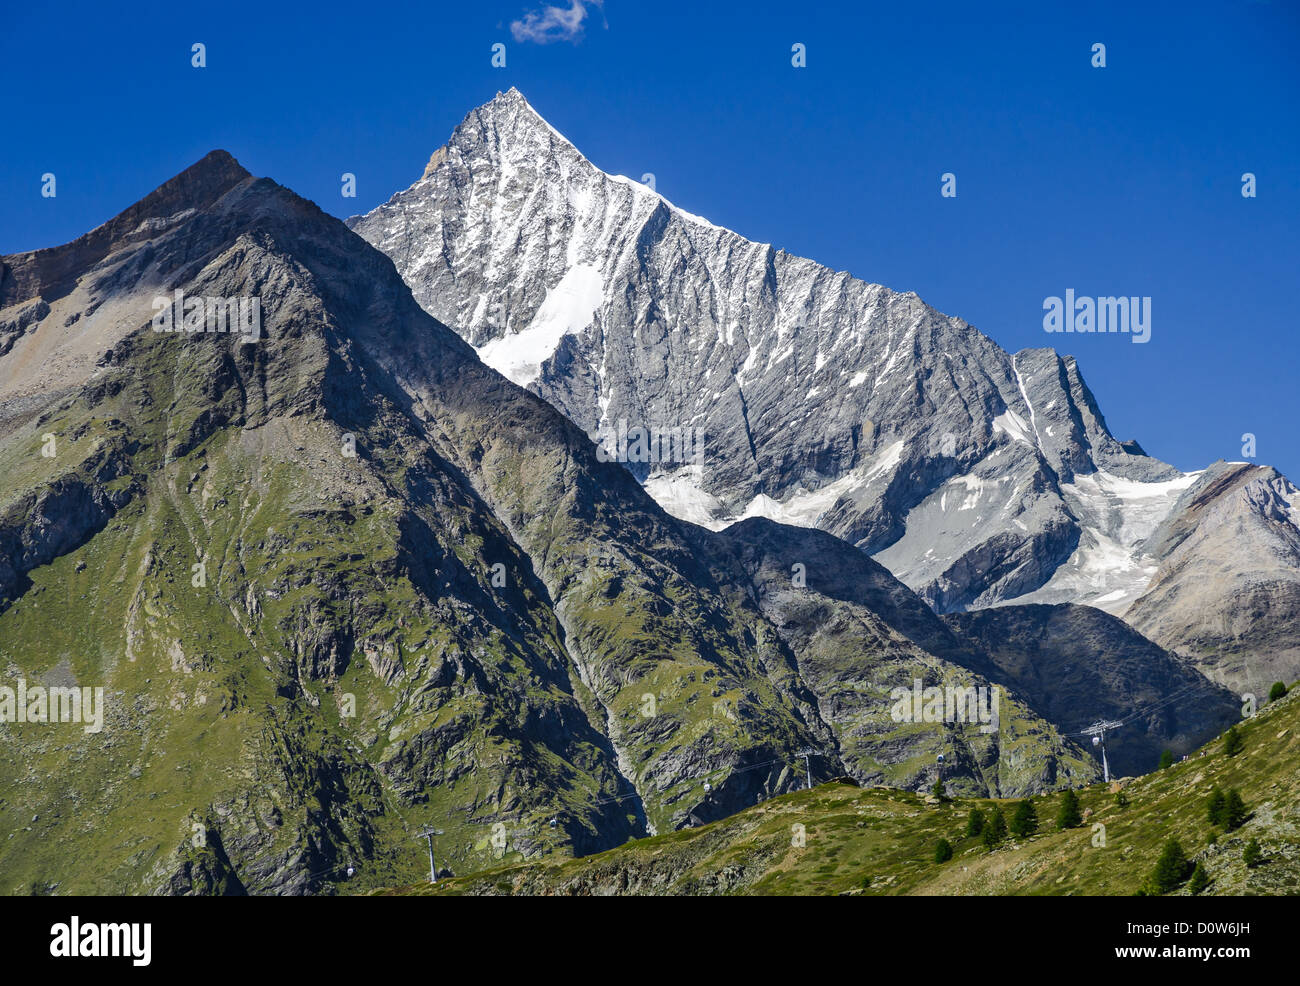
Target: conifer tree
[
  {"x": 1024, "y": 822},
  {"x": 1234, "y": 811},
  {"x": 989, "y": 837},
  {"x": 996, "y": 829},
  {"x": 1232, "y": 742},
  {"x": 1252, "y": 854},
  {"x": 998, "y": 823},
  {"x": 1069, "y": 816},
  {"x": 1217, "y": 809},
  {"x": 1171, "y": 868}
]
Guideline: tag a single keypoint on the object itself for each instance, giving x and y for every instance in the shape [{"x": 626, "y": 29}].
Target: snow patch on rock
[{"x": 568, "y": 308}]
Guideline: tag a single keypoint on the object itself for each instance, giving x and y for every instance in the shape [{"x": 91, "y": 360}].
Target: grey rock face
[
  {"x": 824, "y": 400},
  {"x": 1227, "y": 590}
]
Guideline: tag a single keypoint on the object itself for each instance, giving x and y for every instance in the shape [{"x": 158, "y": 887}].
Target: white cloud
[{"x": 553, "y": 23}]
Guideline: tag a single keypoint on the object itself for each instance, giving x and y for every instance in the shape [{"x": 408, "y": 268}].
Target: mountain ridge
[
  {"x": 978, "y": 477},
  {"x": 353, "y": 512},
  {"x": 345, "y": 580}
]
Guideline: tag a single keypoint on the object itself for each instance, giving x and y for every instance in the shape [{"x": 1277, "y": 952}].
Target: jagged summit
[
  {"x": 199, "y": 185},
  {"x": 46, "y": 272},
  {"x": 823, "y": 399},
  {"x": 509, "y": 119},
  {"x": 975, "y": 475}
]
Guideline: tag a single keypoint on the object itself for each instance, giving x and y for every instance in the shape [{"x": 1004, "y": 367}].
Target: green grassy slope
[{"x": 880, "y": 842}]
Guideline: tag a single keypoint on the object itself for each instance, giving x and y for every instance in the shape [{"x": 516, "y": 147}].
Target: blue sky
[{"x": 1122, "y": 180}]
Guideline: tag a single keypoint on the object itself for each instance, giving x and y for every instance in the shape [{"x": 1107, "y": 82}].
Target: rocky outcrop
[{"x": 1227, "y": 589}]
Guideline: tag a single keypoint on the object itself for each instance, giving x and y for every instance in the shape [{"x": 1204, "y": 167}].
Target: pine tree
[
  {"x": 1024, "y": 822},
  {"x": 1166, "y": 759},
  {"x": 998, "y": 823},
  {"x": 990, "y": 837},
  {"x": 1252, "y": 854},
  {"x": 974, "y": 823},
  {"x": 1199, "y": 881},
  {"x": 1277, "y": 691},
  {"x": 1171, "y": 868},
  {"x": 1232, "y": 742},
  {"x": 1069, "y": 816},
  {"x": 937, "y": 789},
  {"x": 1234, "y": 811},
  {"x": 1218, "y": 809},
  {"x": 942, "y": 851},
  {"x": 996, "y": 829}
]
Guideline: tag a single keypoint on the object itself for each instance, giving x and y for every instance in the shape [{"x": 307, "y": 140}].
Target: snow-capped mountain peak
[{"x": 817, "y": 398}]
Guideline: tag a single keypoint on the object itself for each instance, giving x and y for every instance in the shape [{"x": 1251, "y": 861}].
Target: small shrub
[
  {"x": 1166, "y": 759},
  {"x": 1199, "y": 881},
  {"x": 1252, "y": 855},
  {"x": 942, "y": 851},
  {"x": 1277, "y": 691}
]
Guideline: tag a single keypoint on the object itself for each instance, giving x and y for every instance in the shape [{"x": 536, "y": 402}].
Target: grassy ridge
[{"x": 880, "y": 841}]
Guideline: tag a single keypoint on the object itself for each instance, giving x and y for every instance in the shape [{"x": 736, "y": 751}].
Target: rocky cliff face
[
  {"x": 860, "y": 636},
  {"x": 1227, "y": 589},
  {"x": 974, "y": 475},
  {"x": 1071, "y": 665}
]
